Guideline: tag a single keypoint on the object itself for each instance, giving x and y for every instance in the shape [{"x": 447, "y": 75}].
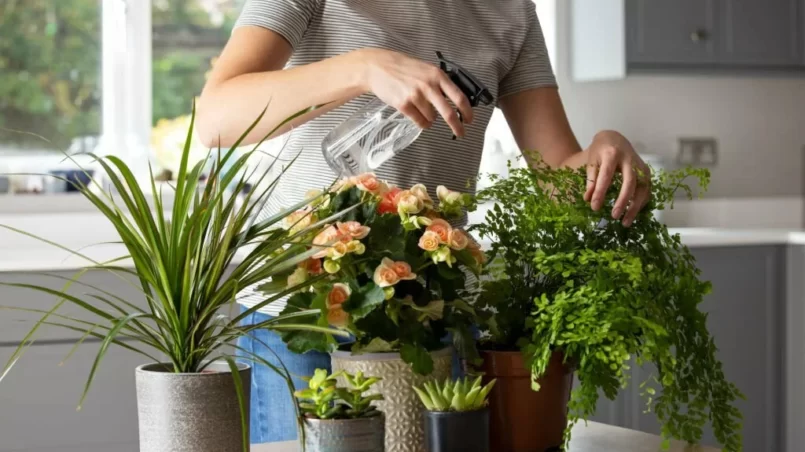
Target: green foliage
[
  {"x": 324, "y": 399},
  {"x": 604, "y": 294},
  {"x": 459, "y": 395},
  {"x": 185, "y": 266}
]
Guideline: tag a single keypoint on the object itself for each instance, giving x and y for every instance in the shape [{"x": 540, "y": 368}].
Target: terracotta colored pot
[{"x": 522, "y": 420}]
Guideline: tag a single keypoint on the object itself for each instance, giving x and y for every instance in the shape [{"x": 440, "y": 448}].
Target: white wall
[{"x": 759, "y": 121}]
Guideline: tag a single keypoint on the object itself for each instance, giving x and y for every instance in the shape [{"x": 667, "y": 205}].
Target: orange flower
[
  {"x": 421, "y": 192},
  {"x": 458, "y": 239},
  {"x": 353, "y": 229},
  {"x": 324, "y": 240},
  {"x": 313, "y": 266},
  {"x": 338, "y": 295},
  {"x": 385, "y": 275},
  {"x": 477, "y": 253},
  {"x": 368, "y": 182},
  {"x": 389, "y": 202},
  {"x": 429, "y": 241},
  {"x": 442, "y": 229},
  {"x": 343, "y": 185},
  {"x": 402, "y": 269},
  {"x": 337, "y": 317}
]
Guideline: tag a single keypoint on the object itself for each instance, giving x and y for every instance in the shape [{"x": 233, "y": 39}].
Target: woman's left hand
[{"x": 611, "y": 152}]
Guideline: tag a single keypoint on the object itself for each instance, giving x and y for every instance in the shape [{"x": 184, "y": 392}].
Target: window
[{"x": 50, "y": 75}]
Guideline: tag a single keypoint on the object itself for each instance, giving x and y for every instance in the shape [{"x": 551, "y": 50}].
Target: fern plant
[
  {"x": 189, "y": 264},
  {"x": 605, "y": 294}
]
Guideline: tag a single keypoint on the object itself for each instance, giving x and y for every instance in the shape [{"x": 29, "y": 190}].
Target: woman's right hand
[{"x": 416, "y": 88}]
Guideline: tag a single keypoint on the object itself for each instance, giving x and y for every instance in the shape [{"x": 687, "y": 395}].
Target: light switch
[{"x": 698, "y": 152}]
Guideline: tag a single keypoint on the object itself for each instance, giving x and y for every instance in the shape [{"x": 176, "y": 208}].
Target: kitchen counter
[{"x": 591, "y": 438}]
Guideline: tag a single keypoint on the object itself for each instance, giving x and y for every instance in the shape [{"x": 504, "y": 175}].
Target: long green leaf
[{"x": 244, "y": 415}]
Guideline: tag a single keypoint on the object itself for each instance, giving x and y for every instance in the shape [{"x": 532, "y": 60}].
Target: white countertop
[
  {"x": 91, "y": 233},
  {"x": 593, "y": 437}
]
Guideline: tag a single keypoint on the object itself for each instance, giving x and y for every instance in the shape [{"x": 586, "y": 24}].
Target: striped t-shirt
[{"x": 499, "y": 41}]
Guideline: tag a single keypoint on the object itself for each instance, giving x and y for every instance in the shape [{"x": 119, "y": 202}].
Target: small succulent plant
[
  {"x": 459, "y": 395},
  {"x": 323, "y": 399}
]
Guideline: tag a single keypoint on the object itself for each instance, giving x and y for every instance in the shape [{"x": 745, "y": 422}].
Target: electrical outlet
[{"x": 698, "y": 152}]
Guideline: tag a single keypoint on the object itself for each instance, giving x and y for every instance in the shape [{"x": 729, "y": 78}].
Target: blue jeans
[{"x": 272, "y": 409}]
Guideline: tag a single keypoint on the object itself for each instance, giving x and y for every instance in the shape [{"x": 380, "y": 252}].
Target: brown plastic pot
[{"x": 521, "y": 419}]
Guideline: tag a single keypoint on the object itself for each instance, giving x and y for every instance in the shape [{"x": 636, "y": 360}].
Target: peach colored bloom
[
  {"x": 447, "y": 196},
  {"x": 313, "y": 266},
  {"x": 421, "y": 192},
  {"x": 458, "y": 239},
  {"x": 343, "y": 185},
  {"x": 298, "y": 221},
  {"x": 353, "y": 229},
  {"x": 388, "y": 204},
  {"x": 442, "y": 229},
  {"x": 338, "y": 295},
  {"x": 429, "y": 241},
  {"x": 402, "y": 269},
  {"x": 337, "y": 317},
  {"x": 324, "y": 240},
  {"x": 368, "y": 182},
  {"x": 408, "y": 203},
  {"x": 385, "y": 276},
  {"x": 477, "y": 253}
]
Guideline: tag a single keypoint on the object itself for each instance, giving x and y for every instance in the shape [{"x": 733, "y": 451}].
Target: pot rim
[
  {"x": 482, "y": 411},
  {"x": 382, "y": 418},
  {"x": 148, "y": 369},
  {"x": 384, "y": 356}
]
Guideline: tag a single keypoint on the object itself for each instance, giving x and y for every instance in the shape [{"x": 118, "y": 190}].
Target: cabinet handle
[{"x": 699, "y": 35}]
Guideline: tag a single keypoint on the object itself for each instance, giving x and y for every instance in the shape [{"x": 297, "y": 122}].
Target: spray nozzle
[{"x": 473, "y": 88}]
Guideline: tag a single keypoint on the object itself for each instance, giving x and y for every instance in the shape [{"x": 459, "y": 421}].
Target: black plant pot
[{"x": 451, "y": 432}]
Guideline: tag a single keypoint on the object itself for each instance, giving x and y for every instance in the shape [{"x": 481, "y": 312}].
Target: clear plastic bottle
[{"x": 377, "y": 132}]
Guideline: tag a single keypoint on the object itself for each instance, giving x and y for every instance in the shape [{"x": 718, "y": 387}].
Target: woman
[{"x": 292, "y": 54}]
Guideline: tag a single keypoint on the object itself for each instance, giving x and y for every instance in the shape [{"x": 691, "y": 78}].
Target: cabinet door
[
  {"x": 679, "y": 32},
  {"x": 761, "y": 33},
  {"x": 745, "y": 318},
  {"x": 38, "y": 401}
]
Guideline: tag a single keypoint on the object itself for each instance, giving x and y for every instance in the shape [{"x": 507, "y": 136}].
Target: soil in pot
[
  {"x": 521, "y": 419},
  {"x": 345, "y": 435},
  {"x": 450, "y": 431}
]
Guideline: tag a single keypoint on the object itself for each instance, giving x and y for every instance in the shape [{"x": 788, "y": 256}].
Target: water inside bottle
[{"x": 365, "y": 143}]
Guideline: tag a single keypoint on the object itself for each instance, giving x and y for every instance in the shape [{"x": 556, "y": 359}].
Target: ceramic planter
[
  {"x": 451, "y": 431},
  {"x": 402, "y": 407},
  {"x": 523, "y": 420},
  {"x": 345, "y": 435},
  {"x": 190, "y": 412}
]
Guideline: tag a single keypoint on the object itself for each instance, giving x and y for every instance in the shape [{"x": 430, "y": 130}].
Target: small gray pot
[
  {"x": 191, "y": 412},
  {"x": 345, "y": 435}
]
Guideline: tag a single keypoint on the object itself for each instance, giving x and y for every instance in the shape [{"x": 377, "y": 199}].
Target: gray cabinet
[
  {"x": 715, "y": 34},
  {"x": 664, "y": 32},
  {"x": 747, "y": 318}
]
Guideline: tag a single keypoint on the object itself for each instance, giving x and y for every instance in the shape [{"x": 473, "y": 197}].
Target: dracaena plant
[
  {"x": 394, "y": 271},
  {"x": 324, "y": 399},
  {"x": 605, "y": 295},
  {"x": 189, "y": 262},
  {"x": 460, "y": 395}
]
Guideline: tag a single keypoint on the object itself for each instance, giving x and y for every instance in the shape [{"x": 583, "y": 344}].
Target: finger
[
  {"x": 627, "y": 190},
  {"x": 592, "y": 173},
  {"x": 602, "y": 183},
  {"x": 425, "y": 108},
  {"x": 412, "y": 112},
  {"x": 450, "y": 116},
  {"x": 640, "y": 200},
  {"x": 459, "y": 99}
]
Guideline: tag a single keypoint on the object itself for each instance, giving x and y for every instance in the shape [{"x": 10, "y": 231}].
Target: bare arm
[
  {"x": 539, "y": 123},
  {"x": 249, "y": 76}
]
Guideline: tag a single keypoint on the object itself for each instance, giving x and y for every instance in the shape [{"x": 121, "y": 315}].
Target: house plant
[
  {"x": 341, "y": 419},
  {"x": 393, "y": 274},
  {"x": 601, "y": 294},
  {"x": 456, "y": 414},
  {"x": 189, "y": 263}
]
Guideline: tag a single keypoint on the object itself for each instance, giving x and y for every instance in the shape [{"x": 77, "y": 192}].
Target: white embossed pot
[
  {"x": 191, "y": 412},
  {"x": 345, "y": 435},
  {"x": 402, "y": 408}
]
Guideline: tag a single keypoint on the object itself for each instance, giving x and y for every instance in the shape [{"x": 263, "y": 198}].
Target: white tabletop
[{"x": 591, "y": 438}]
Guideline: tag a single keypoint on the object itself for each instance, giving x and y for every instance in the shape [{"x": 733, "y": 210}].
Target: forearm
[{"x": 228, "y": 107}]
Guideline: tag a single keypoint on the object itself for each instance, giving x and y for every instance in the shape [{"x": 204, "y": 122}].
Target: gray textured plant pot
[
  {"x": 402, "y": 407},
  {"x": 191, "y": 412},
  {"x": 345, "y": 435}
]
